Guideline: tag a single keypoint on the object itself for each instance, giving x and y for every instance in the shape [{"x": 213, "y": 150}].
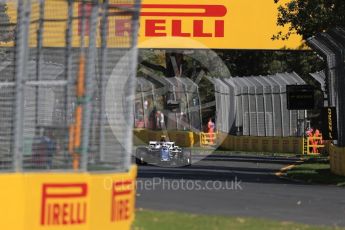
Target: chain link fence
[{"x": 59, "y": 106}]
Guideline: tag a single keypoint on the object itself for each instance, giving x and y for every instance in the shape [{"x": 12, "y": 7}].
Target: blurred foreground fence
[{"x": 67, "y": 81}]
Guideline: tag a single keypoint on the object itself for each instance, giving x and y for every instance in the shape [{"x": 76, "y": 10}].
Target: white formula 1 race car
[{"x": 163, "y": 153}]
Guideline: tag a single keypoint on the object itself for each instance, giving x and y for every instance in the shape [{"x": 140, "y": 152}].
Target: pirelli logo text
[
  {"x": 122, "y": 202},
  {"x": 64, "y": 204},
  {"x": 184, "y": 20},
  {"x": 167, "y": 20}
]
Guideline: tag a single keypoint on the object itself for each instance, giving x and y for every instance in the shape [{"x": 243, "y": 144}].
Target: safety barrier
[
  {"x": 70, "y": 201},
  {"x": 226, "y": 142},
  {"x": 313, "y": 145},
  {"x": 337, "y": 160},
  {"x": 262, "y": 144},
  {"x": 197, "y": 138},
  {"x": 208, "y": 139}
]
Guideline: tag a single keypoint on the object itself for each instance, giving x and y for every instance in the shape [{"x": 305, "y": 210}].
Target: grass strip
[{"x": 154, "y": 220}]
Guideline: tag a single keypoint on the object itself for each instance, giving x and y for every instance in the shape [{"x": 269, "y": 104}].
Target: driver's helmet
[{"x": 163, "y": 138}]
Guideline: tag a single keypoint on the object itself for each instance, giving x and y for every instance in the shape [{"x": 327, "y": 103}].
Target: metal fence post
[
  {"x": 133, "y": 70},
  {"x": 39, "y": 60},
  {"x": 338, "y": 34},
  {"x": 90, "y": 73},
  {"x": 21, "y": 44},
  {"x": 68, "y": 63},
  {"x": 102, "y": 72}
]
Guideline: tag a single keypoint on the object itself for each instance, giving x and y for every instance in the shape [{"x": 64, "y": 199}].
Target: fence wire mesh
[{"x": 60, "y": 108}]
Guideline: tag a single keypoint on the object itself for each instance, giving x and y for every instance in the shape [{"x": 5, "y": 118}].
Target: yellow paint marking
[{"x": 287, "y": 168}]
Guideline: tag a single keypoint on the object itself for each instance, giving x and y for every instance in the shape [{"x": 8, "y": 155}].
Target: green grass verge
[
  {"x": 315, "y": 171},
  {"x": 153, "y": 220}
]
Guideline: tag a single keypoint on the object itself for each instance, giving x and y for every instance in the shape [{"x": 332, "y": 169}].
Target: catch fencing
[
  {"x": 67, "y": 84},
  {"x": 331, "y": 47},
  {"x": 257, "y": 106},
  {"x": 153, "y": 95},
  {"x": 320, "y": 77}
]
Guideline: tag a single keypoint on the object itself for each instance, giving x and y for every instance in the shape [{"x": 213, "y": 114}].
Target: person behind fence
[
  {"x": 51, "y": 147},
  {"x": 43, "y": 149},
  {"x": 184, "y": 121},
  {"x": 139, "y": 117},
  {"x": 317, "y": 141},
  {"x": 211, "y": 128},
  {"x": 310, "y": 134},
  {"x": 160, "y": 120},
  {"x": 153, "y": 119}
]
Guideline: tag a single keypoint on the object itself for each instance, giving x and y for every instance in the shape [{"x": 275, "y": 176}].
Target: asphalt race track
[{"x": 240, "y": 186}]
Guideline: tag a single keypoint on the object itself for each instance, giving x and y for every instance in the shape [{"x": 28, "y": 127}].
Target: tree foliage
[
  {"x": 254, "y": 62},
  {"x": 7, "y": 29},
  {"x": 307, "y": 18}
]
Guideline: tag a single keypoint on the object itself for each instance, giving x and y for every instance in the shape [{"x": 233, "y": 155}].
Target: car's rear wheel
[
  {"x": 188, "y": 159},
  {"x": 188, "y": 162},
  {"x": 140, "y": 161}
]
